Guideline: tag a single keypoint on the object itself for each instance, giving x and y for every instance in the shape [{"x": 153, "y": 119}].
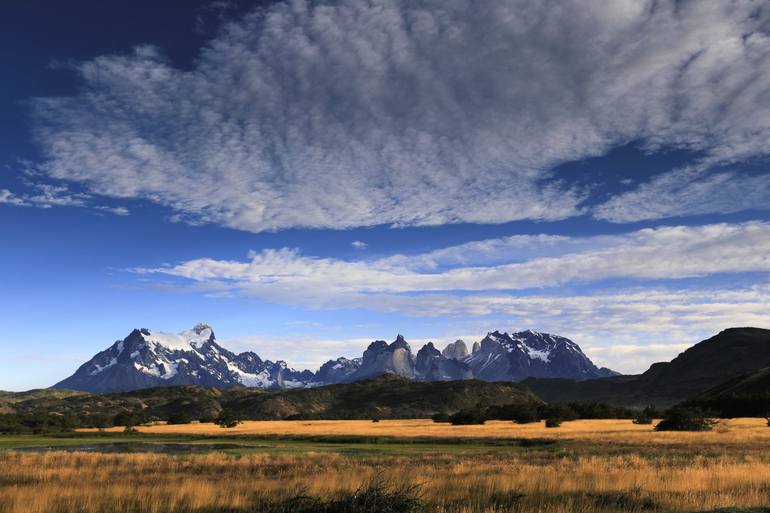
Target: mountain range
[
  {"x": 148, "y": 358},
  {"x": 728, "y": 373}
]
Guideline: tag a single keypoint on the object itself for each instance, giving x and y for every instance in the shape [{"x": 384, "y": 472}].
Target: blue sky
[{"x": 310, "y": 176}]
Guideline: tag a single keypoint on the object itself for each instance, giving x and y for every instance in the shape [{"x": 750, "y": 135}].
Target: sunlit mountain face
[{"x": 309, "y": 177}]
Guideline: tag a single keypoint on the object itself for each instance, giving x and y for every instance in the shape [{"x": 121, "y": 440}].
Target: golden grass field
[
  {"x": 598, "y": 466},
  {"x": 742, "y": 431}
]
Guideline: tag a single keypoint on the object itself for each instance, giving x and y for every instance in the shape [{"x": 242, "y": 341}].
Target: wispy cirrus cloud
[
  {"x": 649, "y": 254},
  {"x": 349, "y": 113},
  {"x": 533, "y": 281},
  {"x": 48, "y": 196},
  {"x": 688, "y": 191}
]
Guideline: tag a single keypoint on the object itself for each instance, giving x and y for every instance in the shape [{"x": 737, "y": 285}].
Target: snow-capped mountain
[
  {"x": 514, "y": 357},
  {"x": 148, "y": 358}
]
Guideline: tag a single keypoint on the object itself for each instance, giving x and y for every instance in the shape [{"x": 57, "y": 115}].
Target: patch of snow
[
  {"x": 170, "y": 370},
  {"x": 250, "y": 380},
  {"x": 189, "y": 340},
  {"x": 152, "y": 371},
  {"x": 100, "y": 368},
  {"x": 134, "y": 354},
  {"x": 534, "y": 354}
]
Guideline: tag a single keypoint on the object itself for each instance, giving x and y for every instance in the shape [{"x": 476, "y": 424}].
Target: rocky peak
[{"x": 456, "y": 350}]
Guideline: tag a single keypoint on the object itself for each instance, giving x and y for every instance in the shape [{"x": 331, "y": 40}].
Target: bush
[
  {"x": 686, "y": 419},
  {"x": 441, "y": 417},
  {"x": 468, "y": 417},
  {"x": 553, "y": 422},
  {"x": 375, "y": 420},
  {"x": 227, "y": 420}
]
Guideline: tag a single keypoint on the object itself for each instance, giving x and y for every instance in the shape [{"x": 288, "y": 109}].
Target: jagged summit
[{"x": 147, "y": 358}]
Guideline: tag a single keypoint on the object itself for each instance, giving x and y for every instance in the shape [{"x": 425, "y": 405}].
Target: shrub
[
  {"x": 553, "y": 422},
  {"x": 227, "y": 420},
  {"x": 468, "y": 417},
  {"x": 441, "y": 417},
  {"x": 686, "y": 419},
  {"x": 375, "y": 419}
]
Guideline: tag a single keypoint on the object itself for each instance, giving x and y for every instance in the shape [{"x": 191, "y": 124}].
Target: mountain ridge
[{"x": 147, "y": 358}]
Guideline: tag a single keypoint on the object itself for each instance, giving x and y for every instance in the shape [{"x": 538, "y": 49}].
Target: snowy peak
[
  {"x": 530, "y": 353},
  {"x": 189, "y": 340},
  {"x": 148, "y": 358}
]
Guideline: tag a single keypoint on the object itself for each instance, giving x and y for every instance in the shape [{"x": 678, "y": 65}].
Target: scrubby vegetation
[{"x": 686, "y": 419}]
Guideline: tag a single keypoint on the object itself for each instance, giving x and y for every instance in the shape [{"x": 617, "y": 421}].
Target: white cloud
[
  {"x": 284, "y": 275},
  {"x": 688, "y": 191},
  {"x": 626, "y": 330},
  {"x": 48, "y": 196},
  {"x": 351, "y": 113},
  {"x": 357, "y": 244},
  {"x": 616, "y": 325}
]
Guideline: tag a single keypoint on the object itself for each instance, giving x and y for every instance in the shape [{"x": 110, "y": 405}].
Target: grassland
[{"x": 590, "y": 466}]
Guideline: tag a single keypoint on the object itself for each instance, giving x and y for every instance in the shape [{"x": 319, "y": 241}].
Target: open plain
[{"x": 583, "y": 466}]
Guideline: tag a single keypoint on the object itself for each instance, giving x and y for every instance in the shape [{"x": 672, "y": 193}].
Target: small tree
[
  {"x": 553, "y": 422},
  {"x": 227, "y": 420},
  {"x": 686, "y": 419}
]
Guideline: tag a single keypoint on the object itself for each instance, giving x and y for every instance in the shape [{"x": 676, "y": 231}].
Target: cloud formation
[
  {"x": 48, "y": 196},
  {"x": 284, "y": 275},
  {"x": 419, "y": 112},
  {"x": 532, "y": 282}
]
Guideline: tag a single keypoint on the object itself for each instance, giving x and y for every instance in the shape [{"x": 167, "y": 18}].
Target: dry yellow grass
[
  {"x": 99, "y": 483},
  {"x": 598, "y": 467},
  {"x": 731, "y": 431}
]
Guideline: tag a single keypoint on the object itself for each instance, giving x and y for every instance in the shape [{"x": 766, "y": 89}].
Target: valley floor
[{"x": 584, "y": 466}]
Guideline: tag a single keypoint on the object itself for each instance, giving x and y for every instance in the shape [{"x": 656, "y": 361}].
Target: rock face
[
  {"x": 457, "y": 350},
  {"x": 432, "y": 365},
  {"x": 336, "y": 371},
  {"x": 147, "y": 359},
  {"x": 383, "y": 358},
  {"x": 504, "y": 357}
]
